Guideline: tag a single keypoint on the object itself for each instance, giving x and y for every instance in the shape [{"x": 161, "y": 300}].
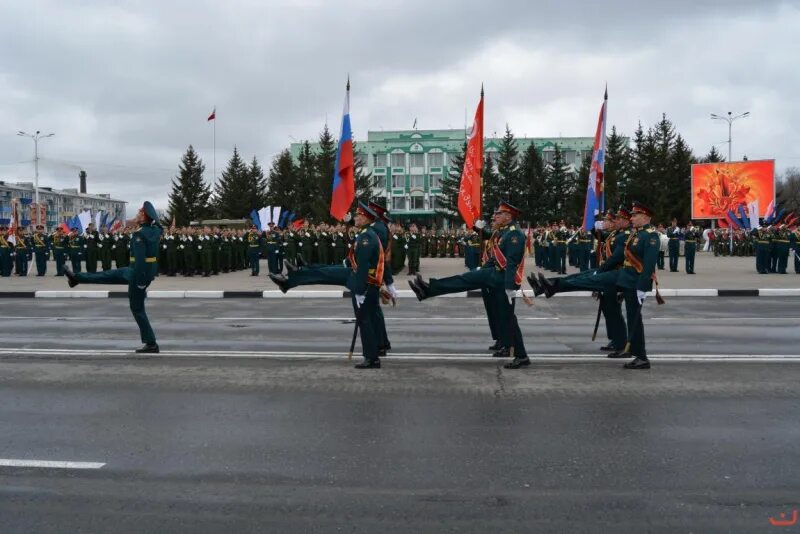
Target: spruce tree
[
  {"x": 556, "y": 178},
  {"x": 324, "y": 169},
  {"x": 489, "y": 193},
  {"x": 364, "y": 181},
  {"x": 509, "y": 187},
  {"x": 616, "y": 170},
  {"x": 189, "y": 197},
  {"x": 258, "y": 185},
  {"x": 232, "y": 190},
  {"x": 531, "y": 177},
  {"x": 451, "y": 183},
  {"x": 713, "y": 156},
  {"x": 677, "y": 201},
  {"x": 282, "y": 180},
  {"x": 306, "y": 187}
]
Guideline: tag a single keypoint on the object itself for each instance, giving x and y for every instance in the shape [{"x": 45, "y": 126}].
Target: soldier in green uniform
[
  {"x": 5, "y": 250},
  {"x": 636, "y": 280},
  {"x": 423, "y": 243},
  {"x": 449, "y": 244},
  {"x": 795, "y": 238},
  {"x": 325, "y": 247},
  {"x": 273, "y": 244},
  {"x": 398, "y": 258},
  {"x": 782, "y": 243},
  {"x": 673, "y": 247},
  {"x": 187, "y": 247},
  {"x": 254, "y": 248},
  {"x": 21, "y": 253},
  {"x": 691, "y": 237},
  {"x": 90, "y": 248},
  {"x": 584, "y": 248},
  {"x": 59, "y": 244},
  {"x": 226, "y": 251},
  {"x": 171, "y": 255},
  {"x": 412, "y": 246},
  {"x": 340, "y": 242},
  {"x": 119, "y": 249},
  {"x": 41, "y": 250},
  {"x": 144, "y": 247},
  {"x": 75, "y": 249},
  {"x": 502, "y": 277},
  {"x": 104, "y": 249},
  {"x": 364, "y": 281}
]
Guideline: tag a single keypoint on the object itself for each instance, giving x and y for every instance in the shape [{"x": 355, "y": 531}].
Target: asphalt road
[{"x": 228, "y": 432}]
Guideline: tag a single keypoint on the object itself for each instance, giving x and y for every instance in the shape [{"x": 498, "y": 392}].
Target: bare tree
[{"x": 788, "y": 189}]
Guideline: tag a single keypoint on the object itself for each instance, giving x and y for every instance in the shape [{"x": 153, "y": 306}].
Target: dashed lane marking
[{"x": 50, "y": 464}]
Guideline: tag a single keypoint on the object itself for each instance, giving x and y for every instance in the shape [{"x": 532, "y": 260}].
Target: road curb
[{"x": 328, "y": 294}]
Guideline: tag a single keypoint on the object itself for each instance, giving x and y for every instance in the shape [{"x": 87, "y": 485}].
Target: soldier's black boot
[
  {"x": 516, "y": 363},
  {"x": 290, "y": 266},
  {"x": 281, "y": 281},
  {"x": 496, "y": 346},
  {"x": 547, "y": 287},
  {"x": 638, "y": 363},
  {"x": 503, "y": 352},
  {"x": 418, "y": 291},
  {"x": 71, "y": 280},
  {"x": 618, "y": 354},
  {"x": 537, "y": 287},
  {"x": 608, "y": 347},
  {"x": 368, "y": 364},
  {"x": 148, "y": 349},
  {"x": 301, "y": 262}
]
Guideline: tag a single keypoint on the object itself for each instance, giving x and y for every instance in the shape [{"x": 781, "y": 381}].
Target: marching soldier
[
  {"x": 144, "y": 247},
  {"x": 636, "y": 280},
  {"x": 502, "y": 281},
  {"x": 781, "y": 243}
]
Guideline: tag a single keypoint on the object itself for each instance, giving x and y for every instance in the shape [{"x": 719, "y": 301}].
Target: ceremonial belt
[
  {"x": 690, "y": 240},
  {"x": 557, "y": 241},
  {"x": 254, "y": 246},
  {"x": 763, "y": 242},
  {"x": 584, "y": 240},
  {"x": 674, "y": 238},
  {"x": 781, "y": 241},
  {"x": 74, "y": 246},
  {"x": 146, "y": 260}
]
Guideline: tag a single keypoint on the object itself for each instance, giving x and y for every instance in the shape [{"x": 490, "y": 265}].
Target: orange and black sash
[
  {"x": 375, "y": 276},
  {"x": 502, "y": 262},
  {"x": 487, "y": 251},
  {"x": 608, "y": 247},
  {"x": 630, "y": 258}
]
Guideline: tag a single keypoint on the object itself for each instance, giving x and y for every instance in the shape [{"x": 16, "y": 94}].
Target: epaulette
[
  {"x": 627, "y": 232},
  {"x": 512, "y": 227},
  {"x": 650, "y": 230}
]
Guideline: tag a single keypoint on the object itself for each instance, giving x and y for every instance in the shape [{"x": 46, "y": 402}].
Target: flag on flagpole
[
  {"x": 344, "y": 187},
  {"x": 469, "y": 192},
  {"x": 595, "y": 195},
  {"x": 213, "y": 115}
]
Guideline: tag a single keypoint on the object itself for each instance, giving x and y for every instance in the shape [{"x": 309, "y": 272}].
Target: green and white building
[{"x": 408, "y": 165}]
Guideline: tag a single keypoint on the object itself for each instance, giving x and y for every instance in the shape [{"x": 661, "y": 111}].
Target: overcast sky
[{"x": 127, "y": 86}]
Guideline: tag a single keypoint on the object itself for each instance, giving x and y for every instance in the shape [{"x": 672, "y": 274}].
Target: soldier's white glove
[
  {"x": 510, "y": 294},
  {"x": 199, "y": 247},
  {"x": 480, "y": 224},
  {"x": 300, "y": 243},
  {"x": 641, "y": 296},
  {"x": 360, "y": 300},
  {"x": 392, "y": 290},
  {"x": 405, "y": 247},
  {"x": 142, "y": 287}
]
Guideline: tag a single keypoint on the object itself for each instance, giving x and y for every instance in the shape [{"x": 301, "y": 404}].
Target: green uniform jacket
[
  {"x": 645, "y": 245},
  {"x": 366, "y": 254}
]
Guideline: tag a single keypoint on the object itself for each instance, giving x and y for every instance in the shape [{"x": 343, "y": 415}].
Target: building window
[
  {"x": 399, "y": 204},
  {"x": 417, "y": 203},
  {"x": 416, "y": 160},
  {"x": 380, "y": 181},
  {"x": 416, "y": 181},
  {"x": 398, "y": 181},
  {"x": 435, "y": 203},
  {"x": 398, "y": 160},
  {"x": 436, "y": 159},
  {"x": 379, "y": 160},
  {"x": 436, "y": 181}
]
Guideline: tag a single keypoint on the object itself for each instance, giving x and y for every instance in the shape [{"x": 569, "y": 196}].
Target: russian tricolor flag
[
  {"x": 344, "y": 188},
  {"x": 595, "y": 195}
]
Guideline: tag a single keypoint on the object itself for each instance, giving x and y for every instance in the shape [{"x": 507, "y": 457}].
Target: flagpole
[{"x": 215, "y": 144}]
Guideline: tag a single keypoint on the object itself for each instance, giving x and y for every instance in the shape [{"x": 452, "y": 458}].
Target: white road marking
[
  {"x": 50, "y": 464},
  {"x": 351, "y": 318},
  {"x": 428, "y": 356}
]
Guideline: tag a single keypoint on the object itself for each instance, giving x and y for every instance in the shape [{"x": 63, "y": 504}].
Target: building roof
[{"x": 71, "y": 192}]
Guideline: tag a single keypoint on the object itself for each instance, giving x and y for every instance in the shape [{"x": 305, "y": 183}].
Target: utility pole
[{"x": 35, "y": 138}]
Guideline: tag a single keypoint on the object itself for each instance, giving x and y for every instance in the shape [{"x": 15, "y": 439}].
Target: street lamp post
[
  {"x": 36, "y": 138},
  {"x": 729, "y": 119}
]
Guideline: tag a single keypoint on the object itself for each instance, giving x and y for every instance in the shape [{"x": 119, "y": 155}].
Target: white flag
[{"x": 752, "y": 209}]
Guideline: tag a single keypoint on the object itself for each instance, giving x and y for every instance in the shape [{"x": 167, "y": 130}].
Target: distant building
[
  {"x": 409, "y": 165},
  {"x": 60, "y": 203}
]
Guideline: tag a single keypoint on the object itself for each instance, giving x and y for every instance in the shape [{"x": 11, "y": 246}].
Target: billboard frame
[{"x": 691, "y": 184}]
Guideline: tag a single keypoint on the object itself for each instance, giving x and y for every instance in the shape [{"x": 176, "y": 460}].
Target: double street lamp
[
  {"x": 729, "y": 119},
  {"x": 38, "y": 135}
]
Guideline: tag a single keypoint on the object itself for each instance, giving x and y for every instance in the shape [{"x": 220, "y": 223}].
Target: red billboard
[{"x": 720, "y": 187}]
